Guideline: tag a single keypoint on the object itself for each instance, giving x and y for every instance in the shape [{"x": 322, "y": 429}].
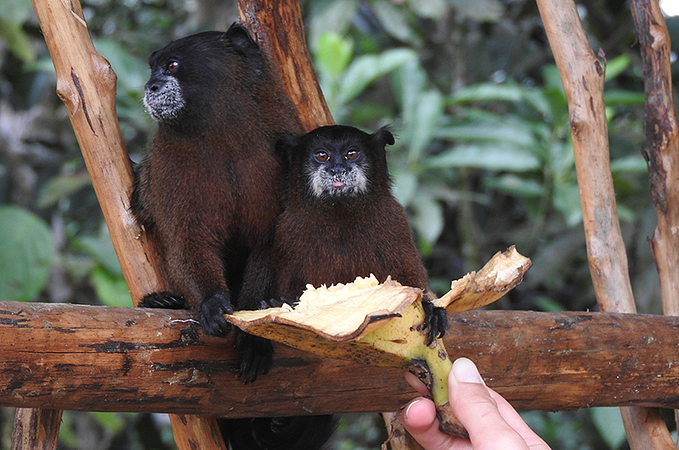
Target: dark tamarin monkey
[
  {"x": 208, "y": 192},
  {"x": 340, "y": 219},
  {"x": 208, "y": 195}
]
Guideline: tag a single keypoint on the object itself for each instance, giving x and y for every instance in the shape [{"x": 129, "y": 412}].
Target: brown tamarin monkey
[
  {"x": 339, "y": 221},
  {"x": 208, "y": 192}
]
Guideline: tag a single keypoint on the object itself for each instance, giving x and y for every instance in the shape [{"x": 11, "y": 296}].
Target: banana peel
[{"x": 383, "y": 324}]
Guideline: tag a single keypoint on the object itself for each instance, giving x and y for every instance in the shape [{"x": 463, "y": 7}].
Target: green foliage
[
  {"x": 609, "y": 424},
  {"x": 106, "y": 275},
  {"x": 14, "y": 16},
  {"x": 25, "y": 254}
]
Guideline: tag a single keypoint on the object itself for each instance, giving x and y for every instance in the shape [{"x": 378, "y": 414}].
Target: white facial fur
[
  {"x": 324, "y": 184},
  {"x": 165, "y": 103}
]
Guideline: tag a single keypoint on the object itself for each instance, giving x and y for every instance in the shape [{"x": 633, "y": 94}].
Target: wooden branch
[
  {"x": 662, "y": 155},
  {"x": 36, "y": 429},
  {"x": 129, "y": 359},
  {"x": 662, "y": 137},
  {"x": 583, "y": 77},
  {"x": 87, "y": 85},
  {"x": 277, "y": 27}
]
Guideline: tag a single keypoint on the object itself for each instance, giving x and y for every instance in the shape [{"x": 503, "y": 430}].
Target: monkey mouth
[{"x": 338, "y": 184}]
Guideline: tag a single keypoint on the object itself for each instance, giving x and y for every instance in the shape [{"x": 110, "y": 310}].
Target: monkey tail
[{"x": 278, "y": 433}]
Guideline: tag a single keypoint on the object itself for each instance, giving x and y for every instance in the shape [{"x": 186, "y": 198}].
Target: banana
[{"x": 383, "y": 324}]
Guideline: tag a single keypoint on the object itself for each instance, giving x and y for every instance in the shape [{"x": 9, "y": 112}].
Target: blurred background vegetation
[{"x": 483, "y": 160}]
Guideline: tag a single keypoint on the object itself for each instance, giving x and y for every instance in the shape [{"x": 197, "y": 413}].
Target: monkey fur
[
  {"x": 208, "y": 191},
  {"x": 208, "y": 194},
  {"x": 340, "y": 219}
]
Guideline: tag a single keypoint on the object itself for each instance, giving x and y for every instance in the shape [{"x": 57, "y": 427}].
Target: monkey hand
[
  {"x": 256, "y": 356},
  {"x": 211, "y": 314},
  {"x": 435, "y": 320},
  {"x": 166, "y": 300},
  {"x": 278, "y": 302}
]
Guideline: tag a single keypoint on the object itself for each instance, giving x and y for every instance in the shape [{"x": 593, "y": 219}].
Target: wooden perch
[{"x": 128, "y": 359}]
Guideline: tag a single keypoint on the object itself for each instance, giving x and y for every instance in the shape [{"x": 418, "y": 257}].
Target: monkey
[
  {"x": 340, "y": 219},
  {"x": 208, "y": 194},
  {"x": 208, "y": 191}
]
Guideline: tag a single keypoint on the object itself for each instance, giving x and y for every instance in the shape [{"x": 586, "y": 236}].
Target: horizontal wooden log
[{"x": 74, "y": 357}]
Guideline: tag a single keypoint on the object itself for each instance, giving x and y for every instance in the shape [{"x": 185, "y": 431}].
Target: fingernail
[
  {"x": 465, "y": 371},
  {"x": 405, "y": 413}
]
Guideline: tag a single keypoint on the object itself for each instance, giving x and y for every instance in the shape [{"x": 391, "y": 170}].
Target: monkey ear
[
  {"x": 284, "y": 149},
  {"x": 242, "y": 43},
  {"x": 383, "y": 136}
]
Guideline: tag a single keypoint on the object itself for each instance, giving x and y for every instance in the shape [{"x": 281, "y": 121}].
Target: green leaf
[
  {"x": 428, "y": 218},
  {"x": 632, "y": 163},
  {"x": 333, "y": 53},
  {"x": 495, "y": 157},
  {"x": 616, "y": 66},
  {"x": 17, "y": 39},
  {"x": 430, "y": 9},
  {"x": 617, "y": 97},
  {"x": 366, "y": 69},
  {"x": 61, "y": 187},
  {"x": 26, "y": 254},
  {"x": 395, "y": 21},
  {"x": 101, "y": 249},
  {"x": 514, "y": 132},
  {"x": 110, "y": 289},
  {"x": 426, "y": 118},
  {"x": 516, "y": 185},
  {"x": 567, "y": 202},
  {"x": 404, "y": 186},
  {"x": 609, "y": 424}
]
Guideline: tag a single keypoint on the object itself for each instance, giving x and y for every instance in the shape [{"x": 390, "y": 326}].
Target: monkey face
[
  {"x": 189, "y": 75},
  {"x": 337, "y": 171},
  {"x": 163, "y": 98},
  {"x": 336, "y": 163}
]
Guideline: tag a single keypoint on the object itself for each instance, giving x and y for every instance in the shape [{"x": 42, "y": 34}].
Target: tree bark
[
  {"x": 36, "y": 429},
  {"x": 90, "y": 358},
  {"x": 662, "y": 154},
  {"x": 583, "y": 76},
  {"x": 277, "y": 27}
]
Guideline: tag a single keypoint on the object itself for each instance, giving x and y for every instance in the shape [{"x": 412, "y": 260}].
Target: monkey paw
[
  {"x": 211, "y": 314},
  {"x": 256, "y": 356},
  {"x": 166, "y": 300},
  {"x": 435, "y": 320}
]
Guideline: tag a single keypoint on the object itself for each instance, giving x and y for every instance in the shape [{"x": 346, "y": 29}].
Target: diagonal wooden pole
[
  {"x": 582, "y": 76},
  {"x": 87, "y": 85}
]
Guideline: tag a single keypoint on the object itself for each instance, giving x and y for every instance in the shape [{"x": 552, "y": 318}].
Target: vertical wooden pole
[
  {"x": 662, "y": 154},
  {"x": 35, "y": 429},
  {"x": 582, "y": 76}
]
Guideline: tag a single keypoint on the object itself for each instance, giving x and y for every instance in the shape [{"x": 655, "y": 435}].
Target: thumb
[{"x": 472, "y": 403}]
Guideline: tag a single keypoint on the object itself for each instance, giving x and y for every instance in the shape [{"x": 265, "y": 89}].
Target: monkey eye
[
  {"x": 321, "y": 156},
  {"x": 351, "y": 155},
  {"x": 172, "y": 66}
]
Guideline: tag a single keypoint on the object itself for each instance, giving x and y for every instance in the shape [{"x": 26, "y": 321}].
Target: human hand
[{"x": 491, "y": 421}]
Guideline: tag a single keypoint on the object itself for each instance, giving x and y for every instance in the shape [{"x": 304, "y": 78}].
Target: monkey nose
[{"x": 154, "y": 87}]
